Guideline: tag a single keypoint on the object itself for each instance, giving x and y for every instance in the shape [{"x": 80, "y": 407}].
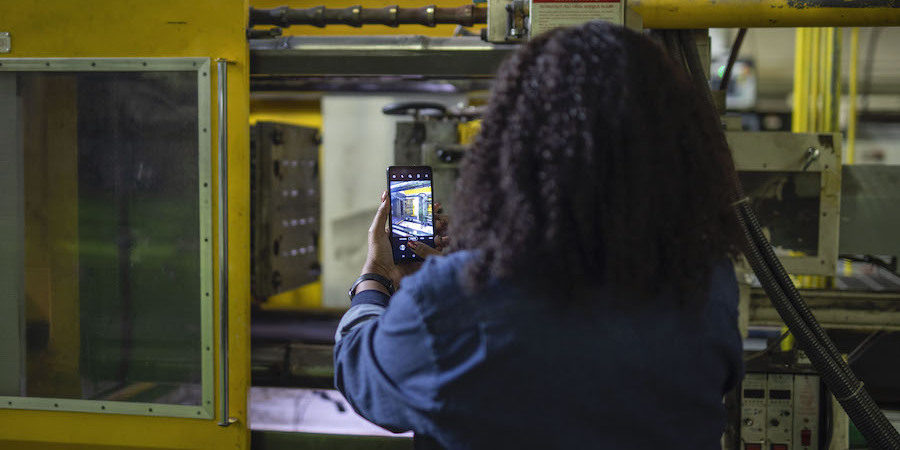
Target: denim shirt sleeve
[{"x": 383, "y": 361}]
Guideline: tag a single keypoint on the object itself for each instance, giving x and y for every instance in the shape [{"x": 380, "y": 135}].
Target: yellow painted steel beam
[
  {"x": 765, "y": 13},
  {"x": 801, "y": 93},
  {"x": 836, "y": 79},
  {"x": 814, "y": 73}
]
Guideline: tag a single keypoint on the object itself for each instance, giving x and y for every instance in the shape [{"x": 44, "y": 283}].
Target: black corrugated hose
[{"x": 823, "y": 354}]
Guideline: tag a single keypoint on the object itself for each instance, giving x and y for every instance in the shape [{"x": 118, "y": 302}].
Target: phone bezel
[{"x": 394, "y": 245}]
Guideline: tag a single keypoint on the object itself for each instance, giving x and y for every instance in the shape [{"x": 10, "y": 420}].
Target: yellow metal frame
[
  {"x": 680, "y": 14},
  {"x": 162, "y": 28}
]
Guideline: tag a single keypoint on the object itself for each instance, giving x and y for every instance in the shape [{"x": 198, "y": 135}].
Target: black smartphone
[{"x": 412, "y": 218}]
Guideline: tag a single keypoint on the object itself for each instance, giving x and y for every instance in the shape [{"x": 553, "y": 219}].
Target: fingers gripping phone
[{"x": 412, "y": 218}]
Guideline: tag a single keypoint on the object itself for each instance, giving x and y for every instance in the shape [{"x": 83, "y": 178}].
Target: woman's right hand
[{"x": 441, "y": 240}]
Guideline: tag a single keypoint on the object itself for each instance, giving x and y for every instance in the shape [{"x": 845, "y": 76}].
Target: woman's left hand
[{"x": 380, "y": 258}]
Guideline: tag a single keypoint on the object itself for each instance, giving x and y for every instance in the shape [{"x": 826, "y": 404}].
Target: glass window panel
[{"x": 102, "y": 218}]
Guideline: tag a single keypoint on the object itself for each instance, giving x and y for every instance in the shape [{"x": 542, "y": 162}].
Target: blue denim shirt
[{"x": 506, "y": 368}]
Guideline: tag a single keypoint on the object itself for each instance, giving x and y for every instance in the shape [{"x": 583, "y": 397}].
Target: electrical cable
[
  {"x": 735, "y": 49},
  {"x": 829, "y": 418},
  {"x": 823, "y": 354}
]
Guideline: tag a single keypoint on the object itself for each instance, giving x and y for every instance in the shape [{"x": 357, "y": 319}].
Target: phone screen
[{"x": 412, "y": 218}]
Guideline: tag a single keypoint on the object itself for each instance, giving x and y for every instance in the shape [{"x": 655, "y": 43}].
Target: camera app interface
[{"x": 411, "y": 214}]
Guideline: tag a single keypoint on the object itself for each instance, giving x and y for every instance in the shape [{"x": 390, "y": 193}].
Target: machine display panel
[{"x": 411, "y": 200}]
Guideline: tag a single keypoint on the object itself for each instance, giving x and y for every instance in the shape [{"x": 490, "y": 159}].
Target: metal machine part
[
  {"x": 806, "y": 412},
  {"x": 869, "y": 214},
  {"x": 753, "y": 409},
  {"x": 783, "y": 405},
  {"x": 850, "y": 310},
  {"x": 432, "y": 143},
  {"x": 506, "y": 18},
  {"x": 779, "y": 408},
  {"x": 794, "y": 181},
  {"x": 285, "y": 207},
  {"x": 781, "y": 411},
  {"x": 343, "y": 56},
  {"x": 357, "y": 16}
]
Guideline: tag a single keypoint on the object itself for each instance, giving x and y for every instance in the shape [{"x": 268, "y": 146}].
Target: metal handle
[
  {"x": 222, "y": 69},
  {"x": 812, "y": 154}
]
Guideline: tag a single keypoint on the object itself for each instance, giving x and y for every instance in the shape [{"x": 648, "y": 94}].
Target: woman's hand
[
  {"x": 441, "y": 240},
  {"x": 380, "y": 259}
]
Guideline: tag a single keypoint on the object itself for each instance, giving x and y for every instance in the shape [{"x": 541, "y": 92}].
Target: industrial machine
[{"x": 126, "y": 321}]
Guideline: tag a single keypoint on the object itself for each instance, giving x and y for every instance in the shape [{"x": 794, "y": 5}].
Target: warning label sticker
[{"x": 546, "y": 15}]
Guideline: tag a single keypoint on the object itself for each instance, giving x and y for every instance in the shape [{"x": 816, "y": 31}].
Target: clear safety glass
[{"x": 104, "y": 238}]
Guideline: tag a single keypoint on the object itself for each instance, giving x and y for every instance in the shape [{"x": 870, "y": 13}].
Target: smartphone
[{"x": 412, "y": 216}]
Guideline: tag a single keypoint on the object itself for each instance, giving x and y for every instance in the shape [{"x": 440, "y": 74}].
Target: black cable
[
  {"x": 849, "y": 391},
  {"x": 735, "y": 49},
  {"x": 829, "y": 418},
  {"x": 694, "y": 67},
  {"x": 870, "y": 420}
]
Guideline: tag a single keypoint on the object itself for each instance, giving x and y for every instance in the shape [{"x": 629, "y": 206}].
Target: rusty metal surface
[{"x": 836, "y": 309}]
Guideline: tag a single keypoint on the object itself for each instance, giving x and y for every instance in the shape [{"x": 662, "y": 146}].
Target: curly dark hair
[{"x": 598, "y": 163}]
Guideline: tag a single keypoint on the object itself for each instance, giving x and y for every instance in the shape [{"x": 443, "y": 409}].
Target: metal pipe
[
  {"x": 836, "y": 80},
  {"x": 851, "y": 114},
  {"x": 828, "y": 80},
  {"x": 357, "y": 16},
  {"x": 765, "y": 13},
  {"x": 222, "y": 69},
  {"x": 813, "y": 80},
  {"x": 799, "y": 106}
]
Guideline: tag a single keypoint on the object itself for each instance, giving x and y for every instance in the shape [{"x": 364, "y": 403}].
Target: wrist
[
  {"x": 378, "y": 269},
  {"x": 370, "y": 285},
  {"x": 372, "y": 281}
]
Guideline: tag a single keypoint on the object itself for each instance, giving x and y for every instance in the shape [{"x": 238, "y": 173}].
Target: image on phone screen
[{"x": 411, "y": 209}]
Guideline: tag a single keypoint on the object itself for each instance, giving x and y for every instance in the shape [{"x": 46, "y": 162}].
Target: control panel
[
  {"x": 806, "y": 412},
  {"x": 780, "y": 411},
  {"x": 753, "y": 409}
]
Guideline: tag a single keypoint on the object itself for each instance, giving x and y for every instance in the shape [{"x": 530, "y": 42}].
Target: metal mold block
[{"x": 286, "y": 205}]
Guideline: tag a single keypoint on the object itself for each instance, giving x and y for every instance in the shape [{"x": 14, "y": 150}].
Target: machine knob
[
  {"x": 748, "y": 422},
  {"x": 774, "y": 422}
]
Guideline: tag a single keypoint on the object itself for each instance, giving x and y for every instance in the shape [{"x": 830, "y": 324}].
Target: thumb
[{"x": 378, "y": 223}]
